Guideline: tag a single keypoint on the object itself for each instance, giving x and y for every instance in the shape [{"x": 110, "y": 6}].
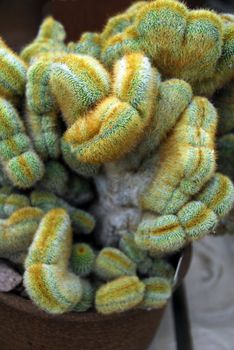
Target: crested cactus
[
  {"x": 21, "y": 164},
  {"x": 119, "y": 295},
  {"x": 49, "y": 39},
  {"x": 47, "y": 279},
  {"x": 157, "y": 292},
  {"x": 89, "y": 44},
  {"x": 120, "y": 123},
  {"x": 10, "y": 202},
  {"x": 193, "y": 45},
  {"x": 111, "y": 263},
  {"x": 13, "y": 73},
  {"x": 193, "y": 221},
  {"x": 17, "y": 231}
]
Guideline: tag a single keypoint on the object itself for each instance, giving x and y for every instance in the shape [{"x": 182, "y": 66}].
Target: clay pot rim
[{"x": 25, "y": 305}]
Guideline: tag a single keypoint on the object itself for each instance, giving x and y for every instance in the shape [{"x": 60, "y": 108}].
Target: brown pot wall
[{"x": 24, "y": 327}]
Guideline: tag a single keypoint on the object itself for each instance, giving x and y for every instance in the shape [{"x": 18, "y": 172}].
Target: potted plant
[{"x": 108, "y": 169}]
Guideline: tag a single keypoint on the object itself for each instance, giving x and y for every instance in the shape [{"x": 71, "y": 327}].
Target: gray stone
[{"x": 9, "y": 278}]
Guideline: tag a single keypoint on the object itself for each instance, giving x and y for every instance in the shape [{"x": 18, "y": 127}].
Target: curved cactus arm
[
  {"x": 82, "y": 221},
  {"x": 157, "y": 292},
  {"x": 120, "y": 45},
  {"x": 193, "y": 45},
  {"x": 41, "y": 111},
  {"x": 117, "y": 24},
  {"x": 118, "y": 123},
  {"x": 119, "y": 36},
  {"x": 17, "y": 231},
  {"x": 47, "y": 279},
  {"x": 21, "y": 164},
  {"x": 193, "y": 42},
  {"x": 195, "y": 219},
  {"x": 50, "y": 38},
  {"x": 82, "y": 79},
  {"x": 111, "y": 263},
  {"x": 122, "y": 294},
  {"x": 12, "y": 74},
  {"x": 10, "y": 202},
  {"x": 224, "y": 68},
  {"x": 89, "y": 44},
  {"x": 187, "y": 159},
  {"x": 173, "y": 98},
  {"x": 45, "y": 132}
]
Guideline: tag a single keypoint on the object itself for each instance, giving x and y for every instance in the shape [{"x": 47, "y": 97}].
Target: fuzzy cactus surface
[{"x": 116, "y": 151}]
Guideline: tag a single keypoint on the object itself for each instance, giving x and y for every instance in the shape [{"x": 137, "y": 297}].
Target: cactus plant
[
  {"x": 122, "y": 294},
  {"x": 47, "y": 279},
  {"x": 82, "y": 259},
  {"x": 157, "y": 292},
  {"x": 108, "y": 154},
  {"x": 111, "y": 263}
]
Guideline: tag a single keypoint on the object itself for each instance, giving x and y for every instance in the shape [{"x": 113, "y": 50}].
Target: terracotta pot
[{"x": 24, "y": 327}]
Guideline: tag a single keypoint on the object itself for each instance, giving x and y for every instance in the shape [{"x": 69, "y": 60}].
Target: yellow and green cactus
[
  {"x": 82, "y": 259},
  {"x": 111, "y": 263},
  {"x": 157, "y": 292},
  {"x": 127, "y": 113},
  {"x": 188, "y": 159},
  {"x": 128, "y": 246},
  {"x": 50, "y": 38},
  {"x": 194, "y": 220},
  {"x": 17, "y": 231},
  {"x": 13, "y": 73},
  {"x": 127, "y": 107},
  {"x": 193, "y": 45},
  {"x": 47, "y": 278},
  {"x": 89, "y": 44},
  {"x": 21, "y": 164},
  {"x": 120, "y": 295},
  {"x": 11, "y": 201}
]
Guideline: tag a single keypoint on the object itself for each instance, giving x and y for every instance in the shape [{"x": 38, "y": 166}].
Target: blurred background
[{"x": 19, "y": 20}]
